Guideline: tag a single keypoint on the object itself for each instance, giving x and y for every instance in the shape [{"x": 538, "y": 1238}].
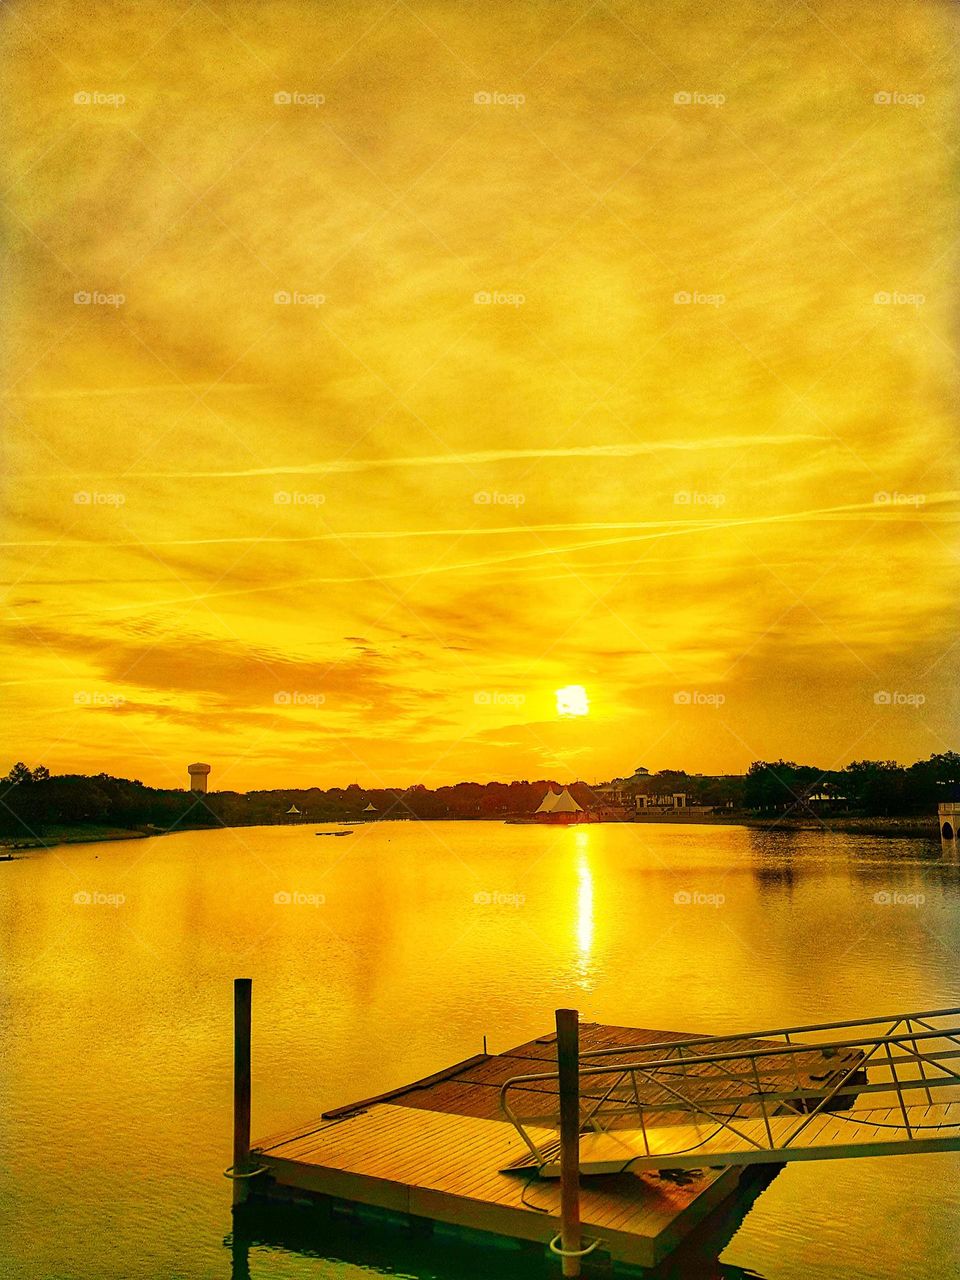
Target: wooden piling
[
  {"x": 242, "y": 1000},
  {"x": 568, "y": 1068}
]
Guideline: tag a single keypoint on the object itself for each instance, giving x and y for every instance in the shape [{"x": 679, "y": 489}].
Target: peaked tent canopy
[
  {"x": 293, "y": 809},
  {"x": 548, "y": 802},
  {"x": 565, "y": 803},
  {"x": 371, "y": 808}
]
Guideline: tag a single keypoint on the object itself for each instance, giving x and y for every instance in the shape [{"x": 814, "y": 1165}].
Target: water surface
[{"x": 387, "y": 954}]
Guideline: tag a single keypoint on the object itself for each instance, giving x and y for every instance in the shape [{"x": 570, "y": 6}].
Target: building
[
  {"x": 198, "y": 777},
  {"x": 671, "y": 800},
  {"x": 949, "y": 816}
]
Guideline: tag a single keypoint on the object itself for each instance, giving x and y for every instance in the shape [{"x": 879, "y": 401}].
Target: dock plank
[{"x": 437, "y": 1148}]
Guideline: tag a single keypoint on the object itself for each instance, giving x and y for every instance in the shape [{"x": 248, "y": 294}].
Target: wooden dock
[{"x": 439, "y": 1151}]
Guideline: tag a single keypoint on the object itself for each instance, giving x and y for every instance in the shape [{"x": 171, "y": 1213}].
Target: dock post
[
  {"x": 568, "y": 1068},
  {"x": 242, "y": 999}
]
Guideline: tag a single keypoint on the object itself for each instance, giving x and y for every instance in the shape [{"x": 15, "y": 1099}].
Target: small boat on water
[{"x": 333, "y": 833}]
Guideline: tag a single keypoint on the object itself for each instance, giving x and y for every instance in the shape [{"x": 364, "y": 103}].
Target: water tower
[{"x": 198, "y": 777}]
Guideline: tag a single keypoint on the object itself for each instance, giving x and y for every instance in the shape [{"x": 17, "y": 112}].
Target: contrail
[{"x": 480, "y": 457}]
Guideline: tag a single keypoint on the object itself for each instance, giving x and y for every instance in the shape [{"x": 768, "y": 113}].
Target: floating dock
[{"x": 441, "y": 1151}]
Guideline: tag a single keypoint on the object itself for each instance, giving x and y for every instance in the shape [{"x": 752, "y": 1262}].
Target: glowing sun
[{"x": 573, "y": 701}]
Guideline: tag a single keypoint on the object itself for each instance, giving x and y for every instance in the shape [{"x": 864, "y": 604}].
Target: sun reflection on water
[{"x": 584, "y": 925}]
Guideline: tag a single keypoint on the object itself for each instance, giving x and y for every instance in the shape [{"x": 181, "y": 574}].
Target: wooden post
[
  {"x": 568, "y": 1067},
  {"x": 241, "y": 1084}
]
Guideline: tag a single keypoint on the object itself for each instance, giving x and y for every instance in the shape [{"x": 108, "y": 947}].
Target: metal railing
[{"x": 705, "y": 1081}]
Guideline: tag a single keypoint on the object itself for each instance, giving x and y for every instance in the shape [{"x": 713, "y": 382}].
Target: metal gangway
[{"x": 763, "y": 1097}]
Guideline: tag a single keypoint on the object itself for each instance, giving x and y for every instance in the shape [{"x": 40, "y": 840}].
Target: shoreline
[
  {"x": 903, "y": 827},
  {"x": 92, "y": 834},
  {"x": 920, "y": 828}
]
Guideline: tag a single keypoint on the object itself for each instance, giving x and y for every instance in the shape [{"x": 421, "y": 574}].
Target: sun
[{"x": 573, "y": 701}]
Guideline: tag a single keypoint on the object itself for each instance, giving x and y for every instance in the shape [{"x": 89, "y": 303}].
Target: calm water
[{"x": 409, "y": 942}]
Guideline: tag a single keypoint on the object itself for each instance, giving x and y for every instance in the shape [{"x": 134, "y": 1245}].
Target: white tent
[
  {"x": 565, "y": 803},
  {"x": 371, "y": 808},
  {"x": 548, "y": 803},
  {"x": 293, "y": 809}
]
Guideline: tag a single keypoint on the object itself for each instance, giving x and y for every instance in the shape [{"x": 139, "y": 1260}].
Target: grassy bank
[{"x": 85, "y": 833}]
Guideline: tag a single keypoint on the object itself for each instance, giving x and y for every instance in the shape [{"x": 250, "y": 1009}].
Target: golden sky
[{"x": 375, "y": 370}]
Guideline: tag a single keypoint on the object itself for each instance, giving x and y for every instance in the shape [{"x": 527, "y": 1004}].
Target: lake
[{"x": 385, "y": 955}]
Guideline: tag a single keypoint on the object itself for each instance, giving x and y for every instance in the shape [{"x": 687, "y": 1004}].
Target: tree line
[
  {"x": 33, "y": 800},
  {"x": 875, "y": 788}
]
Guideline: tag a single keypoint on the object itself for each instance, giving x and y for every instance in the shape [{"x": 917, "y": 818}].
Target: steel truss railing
[{"x": 706, "y": 1081}]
